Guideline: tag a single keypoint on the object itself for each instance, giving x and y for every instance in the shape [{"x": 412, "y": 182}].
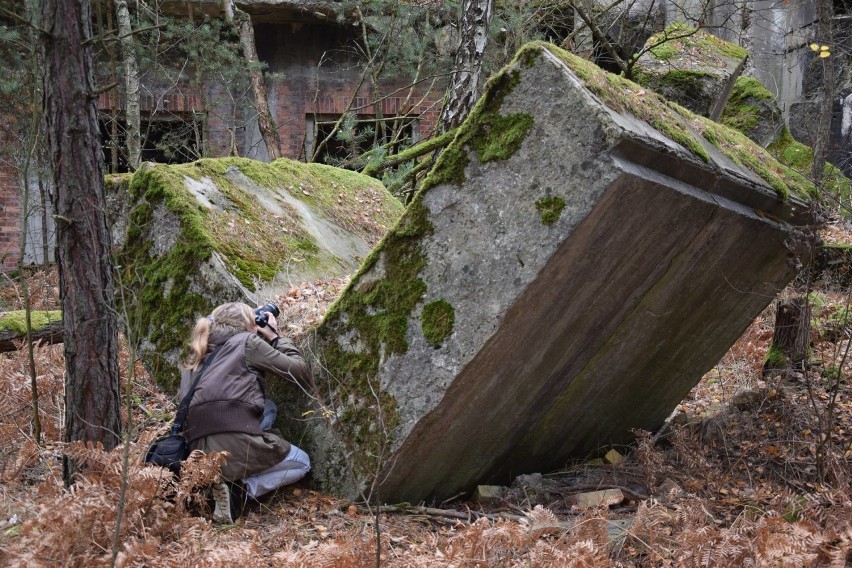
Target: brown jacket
[{"x": 227, "y": 406}]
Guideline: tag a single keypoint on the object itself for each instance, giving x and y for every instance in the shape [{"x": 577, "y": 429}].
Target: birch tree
[
  {"x": 464, "y": 84},
  {"x": 131, "y": 85}
]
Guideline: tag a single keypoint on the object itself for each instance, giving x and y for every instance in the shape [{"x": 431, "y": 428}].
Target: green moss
[
  {"x": 800, "y": 158},
  {"x": 16, "y": 320},
  {"x": 501, "y": 136},
  {"x": 550, "y": 209},
  {"x": 683, "y": 80},
  {"x": 746, "y": 88},
  {"x": 792, "y": 153},
  {"x": 775, "y": 358},
  {"x": 742, "y": 111},
  {"x": 437, "y": 321},
  {"x": 373, "y": 313},
  {"x": 682, "y": 137},
  {"x": 664, "y": 51},
  {"x": 703, "y": 48},
  {"x": 253, "y": 244},
  {"x": 493, "y": 136}
]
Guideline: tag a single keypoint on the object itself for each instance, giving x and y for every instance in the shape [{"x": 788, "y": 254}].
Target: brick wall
[
  {"x": 291, "y": 50},
  {"x": 295, "y": 51},
  {"x": 10, "y": 215}
]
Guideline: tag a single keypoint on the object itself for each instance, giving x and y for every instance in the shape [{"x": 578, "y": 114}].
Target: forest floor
[{"x": 751, "y": 470}]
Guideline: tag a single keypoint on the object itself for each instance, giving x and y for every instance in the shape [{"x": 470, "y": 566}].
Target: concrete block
[
  {"x": 567, "y": 274},
  {"x": 691, "y": 67}
]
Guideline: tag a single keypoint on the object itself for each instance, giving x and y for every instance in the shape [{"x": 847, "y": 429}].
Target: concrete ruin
[
  {"x": 691, "y": 67},
  {"x": 568, "y": 273},
  {"x": 189, "y": 237}
]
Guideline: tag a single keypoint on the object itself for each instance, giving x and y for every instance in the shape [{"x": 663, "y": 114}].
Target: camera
[{"x": 260, "y": 316}]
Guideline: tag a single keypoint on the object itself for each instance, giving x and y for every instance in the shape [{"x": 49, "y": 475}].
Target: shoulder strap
[{"x": 183, "y": 408}]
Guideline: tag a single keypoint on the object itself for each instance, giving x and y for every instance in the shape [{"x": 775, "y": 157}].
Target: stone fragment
[
  {"x": 613, "y": 457},
  {"x": 691, "y": 67},
  {"x": 566, "y": 275},
  {"x": 595, "y": 499},
  {"x": 488, "y": 493},
  {"x": 669, "y": 488}
]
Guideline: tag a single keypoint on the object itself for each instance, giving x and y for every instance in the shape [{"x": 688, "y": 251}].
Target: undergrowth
[{"x": 731, "y": 481}]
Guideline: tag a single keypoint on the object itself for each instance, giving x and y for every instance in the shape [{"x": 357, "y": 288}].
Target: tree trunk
[
  {"x": 92, "y": 412},
  {"x": 464, "y": 85},
  {"x": 265, "y": 120},
  {"x": 791, "y": 340},
  {"x": 826, "y": 103},
  {"x": 131, "y": 86}
]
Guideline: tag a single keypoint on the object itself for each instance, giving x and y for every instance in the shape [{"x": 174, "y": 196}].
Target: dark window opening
[
  {"x": 358, "y": 134},
  {"x": 175, "y": 139},
  {"x": 842, "y": 7}
]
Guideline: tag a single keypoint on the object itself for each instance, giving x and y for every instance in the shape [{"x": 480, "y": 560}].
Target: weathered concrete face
[{"x": 567, "y": 275}]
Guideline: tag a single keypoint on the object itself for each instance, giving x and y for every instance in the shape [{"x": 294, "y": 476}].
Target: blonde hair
[{"x": 231, "y": 317}]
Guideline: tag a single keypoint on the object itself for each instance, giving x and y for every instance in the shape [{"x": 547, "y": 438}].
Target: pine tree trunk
[
  {"x": 265, "y": 120},
  {"x": 464, "y": 85},
  {"x": 131, "y": 86},
  {"x": 92, "y": 411},
  {"x": 791, "y": 340}
]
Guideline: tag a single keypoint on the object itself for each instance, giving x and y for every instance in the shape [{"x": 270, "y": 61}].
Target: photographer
[{"x": 228, "y": 404}]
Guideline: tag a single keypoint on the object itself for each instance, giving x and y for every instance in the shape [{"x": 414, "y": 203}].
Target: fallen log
[{"x": 12, "y": 339}]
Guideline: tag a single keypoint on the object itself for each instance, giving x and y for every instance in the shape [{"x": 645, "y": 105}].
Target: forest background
[{"x": 755, "y": 469}]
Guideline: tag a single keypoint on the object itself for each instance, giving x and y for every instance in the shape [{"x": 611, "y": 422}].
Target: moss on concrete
[
  {"x": 686, "y": 81},
  {"x": 16, "y": 320},
  {"x": 373, "y": 314},
  {"x": 741, "y": 112},
  {"x": 680, "y": 124},
  {"x": 702, "y": 47},
  {"x": 800, "y": 158},
  {"x": 436, "y": 321},
  {"x": 253, "y": 244},
  {"x": 550, "y": 209},
  {"x": 492, "y": 135}
]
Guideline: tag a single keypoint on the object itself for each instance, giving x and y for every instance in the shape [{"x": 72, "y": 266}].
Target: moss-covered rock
[
  {"x": 691, "y": 67},
  {"x": 753, "y": 110},
  {"x": 477, "y": 342},
  {"x": 192, "y": 236},
  {"x": 836, "y": 187},
  {"x": 683, "y": 126}
]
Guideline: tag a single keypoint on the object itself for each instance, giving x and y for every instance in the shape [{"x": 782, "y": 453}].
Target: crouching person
[{"x": 227, "y": 407}]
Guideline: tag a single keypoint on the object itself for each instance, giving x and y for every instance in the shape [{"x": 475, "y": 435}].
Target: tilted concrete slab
[{"x": 567, "y": 274}]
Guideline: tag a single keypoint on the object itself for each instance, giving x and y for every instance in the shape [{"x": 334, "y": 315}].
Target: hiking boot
[{"x": 222, "y": 499}]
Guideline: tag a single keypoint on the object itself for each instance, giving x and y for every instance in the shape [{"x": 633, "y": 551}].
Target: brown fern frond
[{"x": 27, "y": 455}]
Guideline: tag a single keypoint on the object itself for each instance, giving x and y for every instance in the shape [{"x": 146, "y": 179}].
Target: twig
[{"x": 467, "y": 516}]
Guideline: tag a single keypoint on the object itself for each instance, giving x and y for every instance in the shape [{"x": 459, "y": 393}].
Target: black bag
[{"x": 169, "y": 451}]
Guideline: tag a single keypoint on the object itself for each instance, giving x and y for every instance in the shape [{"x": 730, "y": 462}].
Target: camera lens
[{"x": 260, "y": 314}]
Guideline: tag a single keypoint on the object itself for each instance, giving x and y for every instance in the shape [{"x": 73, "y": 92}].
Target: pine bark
[
  {"x": 92, "y": 411},
  {"x": 464, "y": 85}
]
